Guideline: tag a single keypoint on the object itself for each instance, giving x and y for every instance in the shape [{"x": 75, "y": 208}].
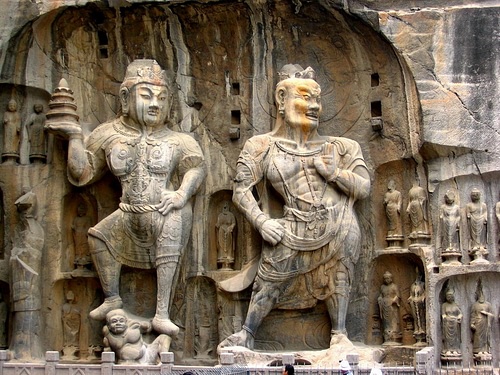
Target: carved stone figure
[
  {"x": 25, "y": 268},
  {"x": 159, "y": 170},
  {"x": 11, "y": 133},
  {"x": 226, "y": 223},
  {"x": 449, "y": 216},
  {"x": 389, "y": 304},
  {"x": 480, "y": 323},
  {"x": 417, "y": 305},
  {"x": 417, "y": 210},
  {"x": 36, "y": 134},
  {"x": 313, "y": 241},
  {"x": 124, "y": 337},
  {"x": 4, "y": 314},
  {"x": 451, "y": 319},
  {"x": 71, "y": 320},
  {"x": 392, "y": 203},
  {"x": 477, "y": 220},
  {"x": 80, "y": 227}
]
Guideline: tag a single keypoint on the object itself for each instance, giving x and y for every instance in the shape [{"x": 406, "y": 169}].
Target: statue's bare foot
[
  {"x": 241, "y": 338},
  {"x": 163, "y": 325},
  {"x": 109, "y": 304}
]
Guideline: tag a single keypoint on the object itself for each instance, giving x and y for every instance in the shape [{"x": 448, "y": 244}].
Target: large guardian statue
[{"x": 311, "y": 239}]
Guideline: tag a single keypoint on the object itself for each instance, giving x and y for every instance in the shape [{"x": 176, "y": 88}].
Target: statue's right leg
[
  {"x": 264, "y": 297},
  {"x": 108, "y": 270}
]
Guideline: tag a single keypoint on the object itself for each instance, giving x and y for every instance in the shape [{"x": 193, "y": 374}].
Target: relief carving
[
  {"x": 389, "y": 302},
  {"x": 417, "y": 305},
  {"x": 417, "y": 210},
  {"x": 11, "y": 133},
  {"x": 449, "y": 217},
  {"x": 451, "y": 320},
  {"x": 481, "y": 317},
  {"x": 310, "y": 245},
  {"x": 36, "y": 135},
  {"x": 392, "y": 203},
  {"x": 26, "y": 266},
  {"x": 226, "y": 241},
  {"x": 477, "y": 220},
  {"x": 123, "y": 335}
]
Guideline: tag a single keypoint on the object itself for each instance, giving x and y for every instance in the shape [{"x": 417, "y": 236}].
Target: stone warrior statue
[
  {"x": 153, "y": 223},
  {"x": 309, "y": 250}
]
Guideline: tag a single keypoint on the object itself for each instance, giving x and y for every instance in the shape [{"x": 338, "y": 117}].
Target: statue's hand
[
  {"x": 326, "y": 166},
  {"x": 63, "y": 129},
  {"x": 171, "y": 200},
  {"x": 272, "y": 231}
]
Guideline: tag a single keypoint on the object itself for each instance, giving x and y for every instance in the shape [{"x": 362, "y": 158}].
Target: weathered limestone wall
[{"x": 429, "y": 73}]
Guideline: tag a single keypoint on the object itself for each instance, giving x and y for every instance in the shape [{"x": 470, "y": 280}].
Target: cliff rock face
[{"x": 416, "y": 87}]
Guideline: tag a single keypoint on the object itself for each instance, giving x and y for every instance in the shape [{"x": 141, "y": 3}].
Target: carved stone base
[
  {"x": 394, "y": 241},
  {"x": 451, "y": 257},
  {"x": 419, "y": 239},
  {"x": 482, "y": 359},
  {"x": 340, "y": 347},
  {"x": 451, "y": 359},
  {"x": 479, "y": 255}
]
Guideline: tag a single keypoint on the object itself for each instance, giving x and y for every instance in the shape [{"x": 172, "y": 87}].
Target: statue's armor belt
[{"x": 326, "y": 216}]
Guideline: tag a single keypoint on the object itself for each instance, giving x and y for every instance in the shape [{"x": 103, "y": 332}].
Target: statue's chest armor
[{"x": 139, "y": 158}]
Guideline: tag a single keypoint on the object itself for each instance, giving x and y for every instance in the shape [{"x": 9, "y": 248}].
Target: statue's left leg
[
  {"x": 170, "y": 246},
  {"x": 166, "y": 266},
  {"x": 338, "y": 302}
]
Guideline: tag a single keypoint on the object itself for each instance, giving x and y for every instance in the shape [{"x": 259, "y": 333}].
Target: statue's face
[
  {"x": 303, "y": 104},
  {"x": 149, "y": 104},
  {"x": 475, "y": 196},
  {"x": 117, "y": 324},
  {"x": 450, "y": 297},
  {"x": 12, "y": 106},
  {"x": 38, "y": 108}
]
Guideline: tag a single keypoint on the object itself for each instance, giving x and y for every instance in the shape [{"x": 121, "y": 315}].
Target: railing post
[
  {"x": 51, "y": 361},
  {"x": 107, "y": 361},
  {"x": 167, "y": 362}
]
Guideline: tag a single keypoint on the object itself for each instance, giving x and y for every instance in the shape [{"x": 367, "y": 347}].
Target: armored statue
[
  {"x": 311, "y": 243},
  {"x": 226, "y": 223},
  {"x": 25, "y": 267},
  {"x": 160, "y": 170},
  {"x": 389, "y": 302},
  {"x": 451, "y": 319},
  {"x": 477, "y": 220},
  {"x": 11, "y": 133},
  {"x": 36, "y": 134}
]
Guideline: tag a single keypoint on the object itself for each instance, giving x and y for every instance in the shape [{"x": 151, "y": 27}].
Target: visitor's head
[
  {"x": 288, "y": 370},
  {"x": 116, "y": 320},
  {"x": 344, "y": 366},
  {"x": 298, "y": 97},
  {"x": 144, "y": 94}
]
